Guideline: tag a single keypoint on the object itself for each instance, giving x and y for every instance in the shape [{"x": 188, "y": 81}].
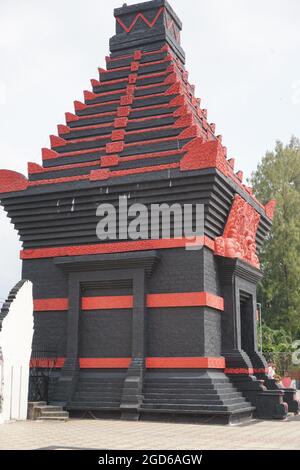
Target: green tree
[
  {"x": 278, "y": 177},
  {"x": 275, "y": 341}
]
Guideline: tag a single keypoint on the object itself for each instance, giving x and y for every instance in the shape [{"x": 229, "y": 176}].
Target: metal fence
[{"x": 43, "y": 362}]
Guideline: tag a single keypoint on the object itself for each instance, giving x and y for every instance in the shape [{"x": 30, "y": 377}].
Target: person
[{"x": 271, "y": 371}]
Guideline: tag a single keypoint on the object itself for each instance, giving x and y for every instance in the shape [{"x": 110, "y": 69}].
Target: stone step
[
  {"x": 36, "y": 403},
  {"x": 97, "y": 393},
  {"x": 190, "y": 390},
  {"x": 205, "y": 381},
  {"x": 236, "y": 416},
  {"x": 199, "y": 401},
  {"x": 100, "y": 381},
  {"x": 106, "y": 391},
  {"x": 52, "y": 408},
  {"x": 52, "y": 418},
  {"x": 87, "y": 397},
  {"x": 187, "y": 384},
  {"x": 99, "y": 386},
  {"x": 54, "y": 414},
  {"x": 83, "y": 405},
  {"x": 188, "y": 407},
  {"x": 213, "y": 396}
]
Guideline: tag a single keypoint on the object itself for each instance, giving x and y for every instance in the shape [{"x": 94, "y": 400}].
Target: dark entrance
[{"x": 247, "y": 319}]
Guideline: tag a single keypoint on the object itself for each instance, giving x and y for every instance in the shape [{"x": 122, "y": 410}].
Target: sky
[{"x": 242, "y": 56}]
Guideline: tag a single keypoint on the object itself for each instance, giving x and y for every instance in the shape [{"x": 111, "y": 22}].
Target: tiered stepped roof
[{"x": 141, "y": 121}]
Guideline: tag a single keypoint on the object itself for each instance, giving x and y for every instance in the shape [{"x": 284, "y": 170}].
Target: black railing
[{"x": 43, "y": 362}]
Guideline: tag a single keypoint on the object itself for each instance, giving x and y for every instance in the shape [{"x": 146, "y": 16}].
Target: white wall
[{"x": 15, "y": 342}]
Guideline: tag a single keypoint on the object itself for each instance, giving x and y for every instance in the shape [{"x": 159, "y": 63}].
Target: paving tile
[{"x": 109, "y": 434}]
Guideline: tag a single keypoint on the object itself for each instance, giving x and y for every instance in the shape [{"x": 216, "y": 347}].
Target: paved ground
[{"x": 113, "y": 434}]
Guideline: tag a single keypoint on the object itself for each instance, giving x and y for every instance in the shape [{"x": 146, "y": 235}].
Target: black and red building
[{"x": 144, "y": 328}]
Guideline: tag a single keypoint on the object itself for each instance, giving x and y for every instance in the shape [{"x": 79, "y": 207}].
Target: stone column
[
  {"x": 133, "y": 386},
  {"x": 67, "y": 381}
]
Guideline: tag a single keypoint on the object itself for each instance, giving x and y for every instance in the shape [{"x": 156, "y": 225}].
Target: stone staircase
[
  {"x": 97, "y": 394},
  {"x": 194, "y": 396},
  {"x": 42, "y": 411},
  {"x": 204, "y": 395}
]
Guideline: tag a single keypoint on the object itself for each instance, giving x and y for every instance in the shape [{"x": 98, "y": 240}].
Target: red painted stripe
[
  {"x": 107, "y": 302},
  {"x": 147, "y": 169},
  {"x": 100, "y": 93},
  {"x": 116, "y": 69},
  {"x": 149, "y": 118},
  {"x": 214, "y": 301},
  {"x": 185, "y": 299},
  {"x": 88, "y": 106},
  {"x": 113, "y": 113},
  {"x": 185, "y": 363},
  {"x": 152, "y": 85},
  {"x": 136, "y": 98},
  {"x": 98, "y": 149},
  {"x": 239, "y": 371},
  {"x": 140, "y": 98},
  {"x": 128, "y": 56},
  {"x": 260, "y": 371},
  {"x": 182, "y": 299},
  {"x": 47, "y": 363},
  {"x": 90, "y": 116},
  {"x": 78, "y": 152},
  {"x": 142, "y": 65},
  {"x": 163, "y": 153},
  {"x": 86, "y": 139},
  {"x": 94, "y": 126},
  {"x": 124, "y": 363},
  {"x": 145, "y": 142},
  {"x": 118, "y": 247},
  {"x": 167, "y": 58},
  {"x": 67, "y": 167},
  {"x": 120, "y": 57},
  {"x": 109, "y": 124},
  {"x": 97, "y": 175},
  {"x": 150, "y": 129},
  {"x": 141, "y": 77},
  {"x": 105, "y": 363},
  {"x": 66, "y": 179},
  {"x": 45, "y": 305},
  {"x": 154, "y": 74}
]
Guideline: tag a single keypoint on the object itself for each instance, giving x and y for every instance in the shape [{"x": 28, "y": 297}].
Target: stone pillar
[
  {"x": 133, "y": 386},
  {"x": 67, "y": 381}
]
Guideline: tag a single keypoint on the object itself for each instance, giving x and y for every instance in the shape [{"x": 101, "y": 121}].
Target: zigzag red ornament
[{"x": 141, "y": 16}]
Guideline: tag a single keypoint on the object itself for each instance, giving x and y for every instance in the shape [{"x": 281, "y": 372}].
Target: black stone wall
[{"x": 107, "y": 333}]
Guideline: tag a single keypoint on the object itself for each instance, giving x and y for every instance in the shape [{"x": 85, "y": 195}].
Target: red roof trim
[{"x": 117, "y": 247}]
